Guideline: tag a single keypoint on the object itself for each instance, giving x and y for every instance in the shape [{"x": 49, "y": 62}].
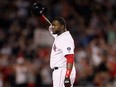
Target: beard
[{"x": 56, "y": 32}]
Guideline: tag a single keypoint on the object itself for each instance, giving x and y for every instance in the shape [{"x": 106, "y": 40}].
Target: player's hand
[
  {"x": 67, "y": 82},
  {"x": 38, "y": 9}
]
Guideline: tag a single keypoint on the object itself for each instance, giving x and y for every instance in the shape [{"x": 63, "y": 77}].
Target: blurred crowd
[{"x": 92, "y": 24}]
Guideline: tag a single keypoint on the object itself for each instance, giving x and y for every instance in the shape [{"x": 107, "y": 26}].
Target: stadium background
[{"x": 25, "y": 44}]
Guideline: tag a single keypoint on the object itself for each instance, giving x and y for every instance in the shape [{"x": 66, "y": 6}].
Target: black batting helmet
[{"x": 38, "y": 9}]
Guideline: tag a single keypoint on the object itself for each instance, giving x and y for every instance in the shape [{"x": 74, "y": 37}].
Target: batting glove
[{"x": 67, "y": 82}]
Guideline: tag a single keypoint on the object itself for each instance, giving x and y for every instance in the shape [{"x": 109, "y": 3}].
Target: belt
[{"x": 55, "y": 68}]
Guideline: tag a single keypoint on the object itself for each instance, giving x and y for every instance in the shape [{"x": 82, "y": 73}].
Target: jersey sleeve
[
  {"x": 67, "y": 46},
  {"x": 50, "y": 30}
]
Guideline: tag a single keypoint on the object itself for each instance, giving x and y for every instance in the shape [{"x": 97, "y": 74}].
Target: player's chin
[{"x": 54, "y": 33}]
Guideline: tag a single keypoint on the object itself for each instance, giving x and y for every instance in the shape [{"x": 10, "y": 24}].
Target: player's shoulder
[{"x": 66, "y": 36}]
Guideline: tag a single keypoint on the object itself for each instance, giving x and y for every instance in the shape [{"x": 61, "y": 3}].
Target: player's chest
[{"x": 56, "y": 46}]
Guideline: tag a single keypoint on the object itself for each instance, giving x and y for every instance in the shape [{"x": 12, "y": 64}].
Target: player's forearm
[
  {"x": 43, "y": 22},
  {"x": 70, "y": 61},
  {"x": 69, "y": 69},
  {"x": 69, "y": 65}
]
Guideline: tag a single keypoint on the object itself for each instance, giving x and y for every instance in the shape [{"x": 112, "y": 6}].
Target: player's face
[{"x": 56, "y": 27}]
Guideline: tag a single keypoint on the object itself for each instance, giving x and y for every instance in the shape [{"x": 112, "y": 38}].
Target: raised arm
[{"x": 38, "y": 10}]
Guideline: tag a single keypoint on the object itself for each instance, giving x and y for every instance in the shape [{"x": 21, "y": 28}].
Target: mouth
[{"x": 53, "y": 29}]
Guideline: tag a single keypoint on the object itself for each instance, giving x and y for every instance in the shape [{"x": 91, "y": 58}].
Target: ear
[{"x": 62, "y": 26}]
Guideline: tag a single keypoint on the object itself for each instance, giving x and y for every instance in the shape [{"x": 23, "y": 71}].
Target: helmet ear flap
[{"x": 38, "y": 9}]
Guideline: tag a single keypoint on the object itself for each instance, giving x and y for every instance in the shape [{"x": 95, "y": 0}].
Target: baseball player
[{"x": 62, "y": 54}]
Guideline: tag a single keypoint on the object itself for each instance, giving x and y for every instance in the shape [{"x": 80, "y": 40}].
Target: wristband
[{"x": 68, "y": 72}]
